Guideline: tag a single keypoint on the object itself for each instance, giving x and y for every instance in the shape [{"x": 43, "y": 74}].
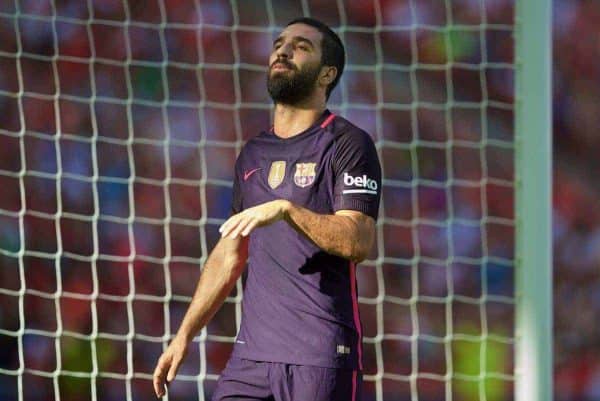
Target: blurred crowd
[
  {"x": 576, "y": 196},
  {"x": 120, "y": 122}
]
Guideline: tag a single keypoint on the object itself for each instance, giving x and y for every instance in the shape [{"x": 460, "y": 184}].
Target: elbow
[
  {"x": 359, "y": 238},
  {"x": 357, "y": 251},
  {"x": 349, "y": 250},
  {"x": 356, "y": 259},
  {"x": 359, "y": 254},
  {"x": 361, "y": 247}
]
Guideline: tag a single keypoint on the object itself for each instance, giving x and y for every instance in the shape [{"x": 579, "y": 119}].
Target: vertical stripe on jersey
[
  {"x": 354, "y": 384},
  {"x": 355, "y": 312}
]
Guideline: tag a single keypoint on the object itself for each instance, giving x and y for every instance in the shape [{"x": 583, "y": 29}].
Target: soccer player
[{"x": 305, "y": 199}]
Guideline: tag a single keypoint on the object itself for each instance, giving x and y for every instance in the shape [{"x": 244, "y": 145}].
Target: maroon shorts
[{"x": 244, "y": 380}]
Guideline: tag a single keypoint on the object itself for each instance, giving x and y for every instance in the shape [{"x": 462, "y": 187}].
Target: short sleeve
[
  {"x": 236, "y": 201},
  {"x": 357, "y": 173}
]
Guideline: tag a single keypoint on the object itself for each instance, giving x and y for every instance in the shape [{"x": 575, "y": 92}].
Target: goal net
[{"x": 120, "y": 122}]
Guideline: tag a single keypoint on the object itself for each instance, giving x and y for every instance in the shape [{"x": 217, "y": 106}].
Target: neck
[{"x": 290, "y": 120}]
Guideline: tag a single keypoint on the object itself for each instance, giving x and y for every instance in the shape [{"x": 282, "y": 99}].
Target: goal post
[{"x": 533, "y": 152}]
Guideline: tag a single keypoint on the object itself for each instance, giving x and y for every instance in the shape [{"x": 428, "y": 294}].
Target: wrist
[{"x": 183, "y": 336}]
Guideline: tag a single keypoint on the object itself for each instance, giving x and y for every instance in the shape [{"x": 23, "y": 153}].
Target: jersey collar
[{"x": 323, "y": 121}]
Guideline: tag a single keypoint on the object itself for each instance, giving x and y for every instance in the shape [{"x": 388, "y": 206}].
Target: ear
[{"x": 328, "y": 74}]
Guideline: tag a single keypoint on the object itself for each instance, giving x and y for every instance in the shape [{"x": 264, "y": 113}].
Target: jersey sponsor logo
[
  {"x": 248, "y": 173},
  {"x": 305, "y": 174},
  {"x": 362, "y": 185},
  {"x": 276, "y": 173}
]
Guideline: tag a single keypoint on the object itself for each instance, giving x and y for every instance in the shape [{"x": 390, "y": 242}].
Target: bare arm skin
[
  {"x": 347, "y": 233},
  {"x": 221, "y": 270}
]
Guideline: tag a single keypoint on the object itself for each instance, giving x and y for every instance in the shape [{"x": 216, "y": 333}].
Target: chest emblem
[
  {"x": 305, "y": 174},
  {"x": 276, "y": 174}
]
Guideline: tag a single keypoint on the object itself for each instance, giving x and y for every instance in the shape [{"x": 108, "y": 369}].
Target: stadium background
[{"x": 78, "y": 153}]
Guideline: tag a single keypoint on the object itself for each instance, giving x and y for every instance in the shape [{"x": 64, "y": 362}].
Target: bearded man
[{"x": 305, "y": 199}]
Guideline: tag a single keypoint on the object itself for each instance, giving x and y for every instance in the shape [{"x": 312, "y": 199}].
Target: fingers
[
  {"x": 158, "y": 378},
  {"x": 241, "y": 227},
  {"x": 173, "y": 370},
  {"x": 168, "y": 364},
  {"x": 251, "y": 226},
  {"x": 165, "y": 369},
  {"x": 240, "y": 224},
  {"x": 243, "y": 223},
  {"x": 229, "y": 225}
]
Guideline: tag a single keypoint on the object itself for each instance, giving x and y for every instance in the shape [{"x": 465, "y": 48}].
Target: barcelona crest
[{"x": 305, "y": 174}]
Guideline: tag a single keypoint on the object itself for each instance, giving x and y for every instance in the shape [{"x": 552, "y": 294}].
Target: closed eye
[
  {"x": 303, "y": 43},
  {"x": 299, "y": 42}
]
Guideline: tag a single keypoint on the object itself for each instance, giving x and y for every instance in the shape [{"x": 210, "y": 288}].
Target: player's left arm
[{"x": 347, "y": 233}]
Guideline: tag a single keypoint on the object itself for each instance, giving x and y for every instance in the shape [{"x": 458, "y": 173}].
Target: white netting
[{"x": 119, "y": 125}]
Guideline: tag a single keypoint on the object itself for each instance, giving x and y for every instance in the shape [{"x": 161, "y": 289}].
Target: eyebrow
[{"x": 295, "y": 39}]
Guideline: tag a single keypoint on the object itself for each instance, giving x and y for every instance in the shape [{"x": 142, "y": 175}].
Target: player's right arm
[{"x": 221, "y": 270}]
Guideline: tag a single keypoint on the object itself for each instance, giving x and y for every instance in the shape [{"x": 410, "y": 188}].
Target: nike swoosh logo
[{"x": 247, "y": 174}]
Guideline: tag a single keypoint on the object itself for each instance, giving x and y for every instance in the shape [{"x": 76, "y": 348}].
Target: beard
[{"x": 294, "y": 85}]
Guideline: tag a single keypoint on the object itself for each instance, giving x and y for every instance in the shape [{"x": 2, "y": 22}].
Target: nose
[{"x": 285, "y": 50}]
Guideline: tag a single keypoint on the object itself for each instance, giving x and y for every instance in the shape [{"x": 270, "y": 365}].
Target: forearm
[
  {"x": 337, "y": 234},
  {"x": 221, "y": 271},
  {"x": 347, "y": 233}
]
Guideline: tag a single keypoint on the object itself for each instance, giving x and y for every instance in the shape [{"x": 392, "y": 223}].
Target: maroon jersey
[{"x": 300, "y": 303}]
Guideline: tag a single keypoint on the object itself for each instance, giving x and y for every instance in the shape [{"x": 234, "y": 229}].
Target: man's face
[{"x": 294, "y": 64}]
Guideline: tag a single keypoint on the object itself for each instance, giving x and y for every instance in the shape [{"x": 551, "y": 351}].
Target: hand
[
  {"x": 262, "y": 215},
  {"x": 168, "y": 364}
]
